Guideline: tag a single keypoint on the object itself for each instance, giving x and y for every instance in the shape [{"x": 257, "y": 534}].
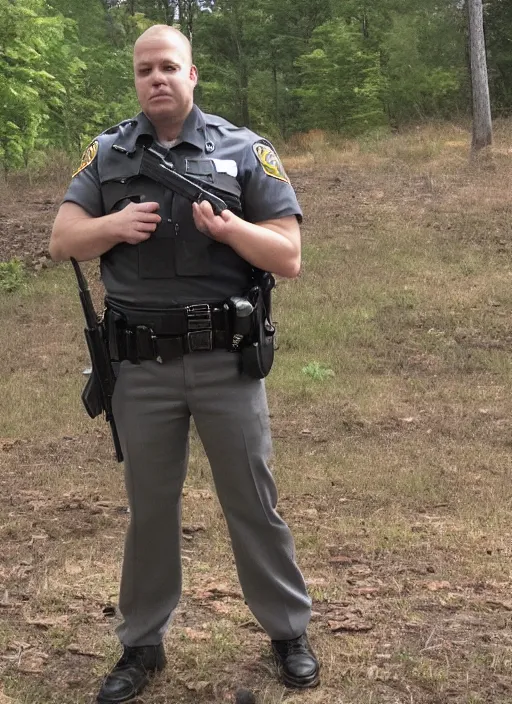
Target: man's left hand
[{"x": 218, "y": 227}]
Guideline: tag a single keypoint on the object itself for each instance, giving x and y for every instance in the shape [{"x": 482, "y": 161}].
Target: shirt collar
[
  {"x": 193, "y": 131},
  {"x": 127, "y": 139}
]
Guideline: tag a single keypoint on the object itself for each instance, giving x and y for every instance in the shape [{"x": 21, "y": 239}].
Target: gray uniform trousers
[{"x": 152, "y": 406}]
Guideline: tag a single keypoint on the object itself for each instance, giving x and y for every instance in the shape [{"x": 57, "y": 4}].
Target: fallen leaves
[
  {"x": 342, "y": 560},
  {"x": 33, "y": 663},
  {"x": 364, "y": 591},
  {"x": 218, "y": 591},
  {"x": 195, "y": 634},
  {"x": 351, "y": 623},
  {"x": 496, "y": 603},
  {"x": 7, "y": 444},
  {"x": 193, "y": 528},
  {"x": 188, "y": 531},
  {"x": 76, "y": 649},
  {"x": 437, "y": 586},
  {"x": 25, "y": 657},
  {"x": 47, "y": 623}
]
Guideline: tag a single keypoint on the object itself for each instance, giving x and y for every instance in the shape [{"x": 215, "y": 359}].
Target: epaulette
[
  {"x": 120, "y": 125},
  {"x": 228, "y": 128},
  {"x": 217, "y": 121}
]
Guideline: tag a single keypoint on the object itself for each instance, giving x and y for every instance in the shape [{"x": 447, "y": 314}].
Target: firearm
[
  {"x": 97, "y": 394},
  {"x": 155, "y": 167}
]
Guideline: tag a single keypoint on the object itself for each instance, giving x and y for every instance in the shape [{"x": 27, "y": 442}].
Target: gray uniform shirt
[{"x": 179, "y": 265}]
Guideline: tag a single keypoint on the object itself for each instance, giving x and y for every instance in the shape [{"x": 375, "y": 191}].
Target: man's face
[{"x": 165, "y": 77}]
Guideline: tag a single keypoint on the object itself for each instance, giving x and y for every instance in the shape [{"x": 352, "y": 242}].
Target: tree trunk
[
  {"x": 244, "y": 92},
  {"x": 190, "y": 19},
  {"x": 276, "y": 92},
  {"x": 482, "y": 123},
  {"x": 186, "y": 17},
  {"x": 243, "y": 84}
]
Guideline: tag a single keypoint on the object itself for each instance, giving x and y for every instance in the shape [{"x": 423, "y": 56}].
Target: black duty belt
[{"x": 139, "y": 335}]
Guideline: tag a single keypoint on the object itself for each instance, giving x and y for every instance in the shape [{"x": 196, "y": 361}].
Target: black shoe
[
  {"x": 296, "y": 663},
  {"x": 131, "y": 674}
]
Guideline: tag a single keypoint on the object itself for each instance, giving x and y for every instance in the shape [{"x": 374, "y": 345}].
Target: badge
[
  {"x": 88, "y": 157},
  {"x": 271, "y": 163}
]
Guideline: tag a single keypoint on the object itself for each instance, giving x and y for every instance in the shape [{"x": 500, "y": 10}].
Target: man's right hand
[
  {"x": 136, "y": 222},
  {"x": 78, "y": 234}
]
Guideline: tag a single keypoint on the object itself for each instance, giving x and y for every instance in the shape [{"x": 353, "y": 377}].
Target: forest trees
[{"x": 279, "y": 66}]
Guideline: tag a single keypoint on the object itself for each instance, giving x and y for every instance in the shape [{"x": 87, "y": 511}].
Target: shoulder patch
[
  {"x": 88, "y": 157},
  {"x": 271, "y": 163}
]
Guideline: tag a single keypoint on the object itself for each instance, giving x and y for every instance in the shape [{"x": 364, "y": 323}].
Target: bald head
[
  {"x": 162, "y": 32},
  {"x": 165, "y": 78}
]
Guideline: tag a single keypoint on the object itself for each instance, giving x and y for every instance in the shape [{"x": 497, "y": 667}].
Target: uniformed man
[{"x": 167, "y": 267}]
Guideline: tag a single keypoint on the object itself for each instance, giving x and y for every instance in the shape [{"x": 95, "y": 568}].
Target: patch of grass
[
  {"x": 317, "y": 371},
  {"x": 12, "y": 276},
  {"x": 41, "y": 378}
]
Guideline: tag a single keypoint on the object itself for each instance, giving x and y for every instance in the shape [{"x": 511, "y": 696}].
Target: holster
[
  {"x": 258, "y": 355},
  {"x": 91, "y": 396}
]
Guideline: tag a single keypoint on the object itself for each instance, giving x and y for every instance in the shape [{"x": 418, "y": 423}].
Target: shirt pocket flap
[{"x": 200, "y": 167}]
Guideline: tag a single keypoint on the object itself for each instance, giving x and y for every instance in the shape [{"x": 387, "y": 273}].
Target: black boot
[
  {"x": 131, "y": 674},
  {"x": 296, "y": 663}
]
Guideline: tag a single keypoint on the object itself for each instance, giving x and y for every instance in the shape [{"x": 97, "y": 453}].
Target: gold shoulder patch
[
  {"x": 88, "y": 156},
  {"x": 271, "y": 163}
]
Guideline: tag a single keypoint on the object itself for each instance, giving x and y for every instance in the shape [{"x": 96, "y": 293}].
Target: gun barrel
[{"x": 85, "y": 296}]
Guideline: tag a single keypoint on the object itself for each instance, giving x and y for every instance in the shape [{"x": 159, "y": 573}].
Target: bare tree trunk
[
  {"x": 186, "y": 17},
  {"x": 243, "y": 86},
  {"x": 482, "y": 122},
  {"x": 190, "y": 19},
  {"x": 276, "y": 91}
]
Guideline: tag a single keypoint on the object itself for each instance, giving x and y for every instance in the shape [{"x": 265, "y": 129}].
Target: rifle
[{"x": 97, "y": 394}]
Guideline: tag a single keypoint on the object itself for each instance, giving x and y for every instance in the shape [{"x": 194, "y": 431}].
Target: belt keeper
[
  {"x": 131, "y": 346},
  {"x": 158, "y": 356}
]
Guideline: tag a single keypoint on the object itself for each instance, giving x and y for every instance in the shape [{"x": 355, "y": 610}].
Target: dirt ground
[
  {"x": 25, "y": 225},
  {"x": 394, "y": 473}
]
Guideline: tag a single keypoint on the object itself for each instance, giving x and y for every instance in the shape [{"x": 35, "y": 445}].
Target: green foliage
[
  {"x": 418, "y": 84},
  {"x": 341, "y": 82},
  {"x": 28, "y": 91},
  {"x": 498, "y": 26},
  {"x": 317, "y": 371},
  {"x": 12, "y": 276},
  {"x": 278, "y": 66}
]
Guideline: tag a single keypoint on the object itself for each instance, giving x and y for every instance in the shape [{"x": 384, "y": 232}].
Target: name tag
[{"x": 226, "y": 166}]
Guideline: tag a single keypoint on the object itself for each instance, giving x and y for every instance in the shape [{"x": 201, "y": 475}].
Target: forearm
[
  {"x": 265, "y": 248},
  {"x": 272, "y": 245},
  {"x": 81, "y": 236}
]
